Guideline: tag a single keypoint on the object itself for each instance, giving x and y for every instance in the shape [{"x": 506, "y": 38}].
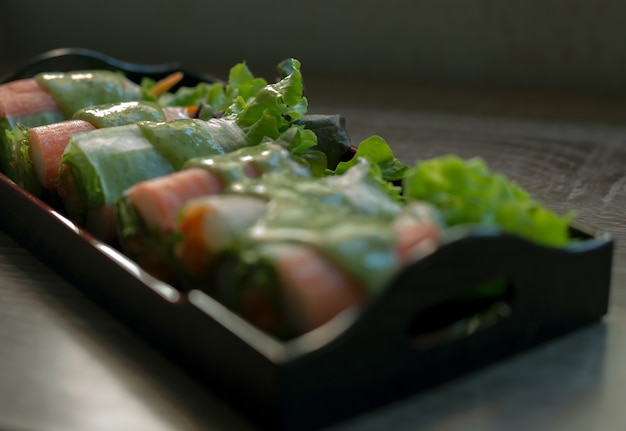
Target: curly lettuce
[{"x": 467, "y": 192}]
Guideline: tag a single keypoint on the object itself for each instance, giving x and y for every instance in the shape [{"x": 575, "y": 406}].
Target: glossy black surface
[{"x": 68, "y": 59}]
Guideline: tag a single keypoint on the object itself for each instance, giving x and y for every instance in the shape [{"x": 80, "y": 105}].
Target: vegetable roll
[
  {"x": 147, "y": 212},
  {"x": 290, "y": 282},
  {"x": 23, "y": 102},
  {"x": 289, "y": 289},
  {"x": 79, "y": 89},
  {"x": 52, "y": 97},
  {"x": 345, "y": 249},
  {"x": 24, "y": 97},
  {"x": 98, "y": 166},
  {"x": 38, "y": 150},
  {"x": 146, "y": 216},
  {"x": 45, "y": 146}
]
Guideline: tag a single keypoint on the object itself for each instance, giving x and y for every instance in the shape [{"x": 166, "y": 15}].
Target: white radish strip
[
  {"x": 218, "y": 221},
  {"x": 212, "y": 223},
  {"x": 227, "y": 216},
  {"x": 175, "y": 112}
]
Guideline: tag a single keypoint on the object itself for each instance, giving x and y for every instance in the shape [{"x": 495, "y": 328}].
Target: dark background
[{"x": 572, "y": 45}]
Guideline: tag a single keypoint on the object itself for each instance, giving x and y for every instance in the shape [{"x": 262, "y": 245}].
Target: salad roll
[
  {"x": 52, "y": 97},
  {"x": 292, "y": 252},
  {"x": 98, "y": 166},
  {"x": 146, "y": 216},
  {"x": 37, "y": 151},
  {"x": 148, "y": 211},
  {"x": 289, "y": 288}
]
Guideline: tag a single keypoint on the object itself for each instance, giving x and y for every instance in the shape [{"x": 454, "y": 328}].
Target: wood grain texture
[{"x": 65, "y": 364}]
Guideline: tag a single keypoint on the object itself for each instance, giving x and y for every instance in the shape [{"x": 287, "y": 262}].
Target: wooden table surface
[{"x": 66, "y": 364}]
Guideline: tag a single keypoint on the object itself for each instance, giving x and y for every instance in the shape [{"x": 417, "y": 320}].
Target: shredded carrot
[
  {"x": 166, "y": 83},
  {"x": 192, "y": 111}
]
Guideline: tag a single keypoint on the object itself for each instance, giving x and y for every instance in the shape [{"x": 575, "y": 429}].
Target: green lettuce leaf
[
  {"x": 242, "y": 83},
  {"x": 332, "y": 137},
  {"x": 384, "y": 166},
  {"x": 467, "y": 192},
  {"x": 214, "y": 97},
  {"x": 26, "y": 176},
  {"x": 283, "y": 101},
  {"x": 377, "y": 152}
]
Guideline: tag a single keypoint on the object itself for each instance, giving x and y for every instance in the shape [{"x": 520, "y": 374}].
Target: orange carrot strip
[
  {"x": 192, "y": 251},
  {"x": 166, "y": 83}
]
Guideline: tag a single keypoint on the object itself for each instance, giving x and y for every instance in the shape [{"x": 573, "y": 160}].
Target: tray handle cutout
[{"x": 479, "y": 308}]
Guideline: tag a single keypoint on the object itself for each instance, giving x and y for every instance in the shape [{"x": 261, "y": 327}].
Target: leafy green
[
  {"x": 215, "y": 97},
  {"x": 377, "y": 152},
  {"x": 283, "y": 101},
  {"x": 384, "y": 166},
  {"x": 467, "y": 192},
  {"x": 26, "y": 176},
  {"x": 242, "y": 83},
  {"x": 332, "y": 138}
]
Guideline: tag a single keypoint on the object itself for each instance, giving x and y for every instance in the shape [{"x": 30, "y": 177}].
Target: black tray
[{"x": 392, "y": 346}]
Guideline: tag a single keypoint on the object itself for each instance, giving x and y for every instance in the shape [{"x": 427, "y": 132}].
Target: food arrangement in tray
[
  {"x": 232, "y": 189},
  {"x": 304, "y": 276}
]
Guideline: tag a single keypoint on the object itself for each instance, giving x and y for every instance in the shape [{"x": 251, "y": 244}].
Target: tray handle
[
  {"x": 544, "y": 289},
  {"x": 461, "y": 317},
  {"x": 69, "y": 59}
]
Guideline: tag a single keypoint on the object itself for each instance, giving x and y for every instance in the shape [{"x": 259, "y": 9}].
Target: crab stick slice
[
  {"x": 23, "y": 97},
  {"x": 47, "y": 144},
  {"x": 315, "y": 290},
  {"x": 293, "y": 288},
  {"x": 157, "y": 201}
]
